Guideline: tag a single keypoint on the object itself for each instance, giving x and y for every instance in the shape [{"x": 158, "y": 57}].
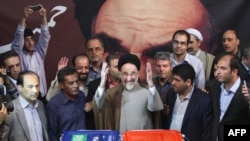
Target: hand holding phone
[
  {"x": 245, "y": 89},
  {"x": 245, "y": 84},
  {"x": 36, "y": 7}
]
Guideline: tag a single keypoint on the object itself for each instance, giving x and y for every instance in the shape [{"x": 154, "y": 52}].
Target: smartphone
[
  {"x": 8, "y": 72},
  {"x": 36, "y": 7},
  {"x": 245, "y": 84}
]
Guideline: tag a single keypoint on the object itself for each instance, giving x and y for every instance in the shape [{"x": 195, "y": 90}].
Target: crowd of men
[{"x": 189, "y": 90}]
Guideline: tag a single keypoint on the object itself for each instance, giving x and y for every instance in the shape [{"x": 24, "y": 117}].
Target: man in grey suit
[{"x": 28, "y": 121}]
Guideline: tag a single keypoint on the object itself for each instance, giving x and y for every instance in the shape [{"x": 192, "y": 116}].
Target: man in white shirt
[{"x": 180, "y": 41}]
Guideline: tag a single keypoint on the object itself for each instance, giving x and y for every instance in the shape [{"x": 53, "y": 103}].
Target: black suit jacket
[
  {"x": 92, "y": 87},
  {"x": 198, "y": 117},
  {"x": 236, "y": 114}
]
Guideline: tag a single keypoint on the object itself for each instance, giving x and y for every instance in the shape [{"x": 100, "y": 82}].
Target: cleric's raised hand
[
  {"x": 104, "y": 73},
  {"x": 149, "y": 75}
]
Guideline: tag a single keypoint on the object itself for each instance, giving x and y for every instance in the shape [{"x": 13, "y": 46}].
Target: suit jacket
[
  {"x": 196, "y": 125},
  {"x": 160, "y": 115},
  {"x": 236, "y": 114},
  {"x": 245, "y": 75},
  {"x": 93, "y": 117},
  {"x": 15, "y": 126},
  {"x": 207, "y": 60}
]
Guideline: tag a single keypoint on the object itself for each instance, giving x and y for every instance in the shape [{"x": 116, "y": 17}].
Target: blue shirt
[
  {"x": 35, "y": 62},
  {"x": 93, "y": 74},
  {"x": 33, "y": 119},
  {"x": 179, "y": 111},
  {"x": 226, "y": 97},
  {"x": 64, "y": 114}
]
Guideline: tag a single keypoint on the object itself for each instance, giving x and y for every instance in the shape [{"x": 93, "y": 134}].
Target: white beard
[{"x": 129, "y": 86}]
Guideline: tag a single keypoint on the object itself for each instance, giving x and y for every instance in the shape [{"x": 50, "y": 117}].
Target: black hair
[
  {"x": 68, "y": 70},
  {"x": 182, "y": 32},
  {"x": 95, "y": 38},
  {"x": 9, "y": 54},
  {"x": 234, "y": 61},
  {"x": 111, "y": 56},
  {"x": 21, "y": 75},
  {"x": 185, "y": 71}
]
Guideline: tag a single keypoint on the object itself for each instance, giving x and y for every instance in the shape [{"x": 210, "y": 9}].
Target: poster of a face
[{"x": 141, "y": 27}]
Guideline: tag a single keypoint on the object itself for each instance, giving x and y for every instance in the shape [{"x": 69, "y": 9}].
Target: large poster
[{"x": 142, "y": 27}]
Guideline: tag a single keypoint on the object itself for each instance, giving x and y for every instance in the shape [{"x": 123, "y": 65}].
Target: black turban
[{"x": 129, "y": 58}]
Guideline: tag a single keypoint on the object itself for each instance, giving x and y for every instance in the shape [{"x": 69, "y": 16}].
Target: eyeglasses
[{"x": 125, "y": 74}]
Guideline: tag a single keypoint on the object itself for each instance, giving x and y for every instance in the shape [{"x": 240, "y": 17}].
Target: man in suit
[
  {"x": 230, "y": 43},
  {"x": 111, "y": 80},
  {"x": 245, "y": 59},
  {"x": 190, "y": 109},
  {"x": 229, "y": 103},
  {"x": 12, "y": 65},
  {"x": 195, "y": 42},
  {"x": 95, "y": 51},
  {"x": 28, "y": 121}
]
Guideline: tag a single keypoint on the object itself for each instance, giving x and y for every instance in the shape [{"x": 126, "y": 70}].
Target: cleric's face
[
  {"x": 145, "y": 26},
  {"x": 129, "y": 76}
]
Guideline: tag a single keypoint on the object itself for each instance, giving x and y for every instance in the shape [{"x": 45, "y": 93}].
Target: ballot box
[
  {"x": 152, "y": 135},
  {"x": 91, "y": 135}
]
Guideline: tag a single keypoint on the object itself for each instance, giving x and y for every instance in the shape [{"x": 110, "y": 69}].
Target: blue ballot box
[{"x": 91, "y": 135}]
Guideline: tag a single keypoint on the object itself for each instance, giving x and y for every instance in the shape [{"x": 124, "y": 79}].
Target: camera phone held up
[
  {"x": 36, "y": 7},
  {"x": 6, "y": 100}
]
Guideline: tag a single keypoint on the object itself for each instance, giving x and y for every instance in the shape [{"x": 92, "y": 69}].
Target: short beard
[{"x": 129, "y": 87}]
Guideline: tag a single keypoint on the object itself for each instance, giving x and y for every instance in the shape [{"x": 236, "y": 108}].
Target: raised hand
[
  {"x": 63, "y": 62},
  {"x": 3, "y": 113},
  {"x": 104, "y": 73},
  {"x": 3, "y": 71},
  {"x": 6, "y": 80},
  {"x": 245, "y": 92},
  {"x": 27, "y": 11},
  {"x": 149, "y": 75},
  {"x": 87, "y": 107},
  {"x": 42, "y": 11}
]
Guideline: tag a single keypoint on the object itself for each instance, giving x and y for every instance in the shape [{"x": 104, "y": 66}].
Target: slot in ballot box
[
  {"x": 91, "y": 135},
  {"x": 152, "y": 135}
]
